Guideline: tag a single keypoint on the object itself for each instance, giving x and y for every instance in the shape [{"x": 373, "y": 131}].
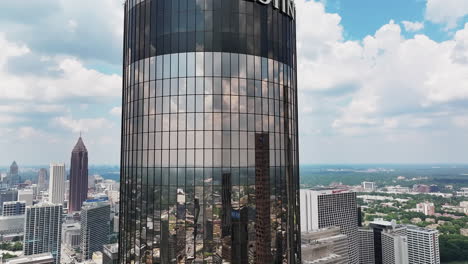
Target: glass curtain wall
[{"x": 209, "y": 169}]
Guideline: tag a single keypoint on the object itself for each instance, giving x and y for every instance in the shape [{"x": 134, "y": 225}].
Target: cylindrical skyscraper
[{"x": 209, "y": 165}]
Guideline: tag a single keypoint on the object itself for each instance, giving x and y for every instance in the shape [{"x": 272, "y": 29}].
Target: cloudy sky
[{"x": 380, "y": 81}]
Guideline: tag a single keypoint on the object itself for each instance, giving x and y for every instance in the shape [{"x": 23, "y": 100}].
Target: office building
[
  {"x": 369, "y": 186},
  {"x": 71, "y": 235},
  {"x": 366, "y": 246},
  {"x": 43, "y": 230},
  {"x": 426, "y": 208},
  {"x": 13, "y": 177},
  {"x": 7, "y": 195},
  {"x": 95, "y": 227},
  {"x": 321, "y": 208},
  {"x": 210, "y": 111},
  {"x": 42, "y": 180},
  {"x": 423, "y": 245},
  {"x": 57, "y": 183},
  {"x": 326, "y": 245},
  {"x": 78, "y": 177},
  {"x": 110, "y": 254},
  {"x": 394, "y": 248},
  {"x": 14, "y": 208},
  {"x": 26, "y": 195},
  {"x": 45, "y": 258},
  {"x": 380, "y": 227}
]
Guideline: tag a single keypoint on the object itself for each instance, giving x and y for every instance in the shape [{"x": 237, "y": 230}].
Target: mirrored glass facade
[{"x": 209, "y": 169}]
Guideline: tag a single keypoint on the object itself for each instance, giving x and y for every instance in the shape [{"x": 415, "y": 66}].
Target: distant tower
[
  {"x": 78, "y": 176},
  {"x": 42, "y": 180},
  {"x": 13, "y": 176},
  {"x": 57, "y": 183}
]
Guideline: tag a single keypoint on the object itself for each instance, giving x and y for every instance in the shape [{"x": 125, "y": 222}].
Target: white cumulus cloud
[
  {"x": 447, "y": 12},
  {"x": 413, "y": 26}
]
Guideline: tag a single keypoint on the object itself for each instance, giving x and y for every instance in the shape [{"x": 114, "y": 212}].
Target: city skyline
[{"x": 344, "y": 86}]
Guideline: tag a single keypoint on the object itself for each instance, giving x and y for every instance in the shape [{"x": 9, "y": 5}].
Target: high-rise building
[
  {"x": 423, "y": 245},
  {"x": 95, "y": 227},
  {"x": 43, "y": 229},
  {"x": 380, "y": 227},
  {"x": 26, "y": 195},
  {"x": 210, "y": 114},
  {"x": 13, "y": 177},
  {"x": 326, "y": 245},
  {"x": 110, "y": 254},
  {"x": 57, "y": 183},
  {"x": 369, "y": 186},
  {"x": 394, "y": 248},
  {"x": 42, "y": 180},
  {"x": 14, "y": 208},
  {"x": 366, "y": 246},
  {"x": 321, "y": 208},
  {"x": 78, "y": 176}
]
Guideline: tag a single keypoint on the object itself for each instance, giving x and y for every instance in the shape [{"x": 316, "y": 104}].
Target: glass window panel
[
  {"x": 190, "y": 140},
  {"x": 181, "y": 162},
  {"x": 152, "y": 68},
  {"x": 181, "y": 140},
  {"x": 226, "y": 65},
  {"x": 190, "y": 85},
  {"x": 217, "y": 158},
  {"x": 190, "y": 157},
  {"x": 217, "y": 87},
  {"x": 208, "y": 142},
  {"x": 199, "y": 121},
  {"x": 208, "y": 158},
  {"x": 242, "y": 87},
  {"x": 258, "y": 68},
  {"x": 174, "y": 65},
  {"x": 235, "y": 104},
  {"x": 243, "y": 66},
  {"x": 250, "y": 67},
  {"x": 174, "y": 86},
  {"x": 234, "y": 86},
  {"x": 216, "y": 64},
  {"x": 167, "y": 66},
  {"x": 182, "y": 86},
  {"x": 159, "y": 88},
  {"x": 190, "y": 103},
  {"x": 226, "y": 86},
  {"x": 200, "y": 89},
  {"x": 191, "y": 64},
  {"x": 191, "y": 121},
  {"x": 182, "y": 64},
  {"x": 234, "y": 65},
  {"x": 226, "y": 103},
  {"x": 217, "y": 121},
  {"x": 208, "y": 103},
  {"x": 182, "y": 122},
  {"x": 208, "y": 85},
  {"x": 208, "y": 63},
  {"x": 199, "y": 139},
  {"x": 166, "y": 87},
  {"x": 208, "y": 121},
  {"x": 217, "y": 139},
  {"x": 199, "y": 63},
  {"x": 182, "y": 104}
]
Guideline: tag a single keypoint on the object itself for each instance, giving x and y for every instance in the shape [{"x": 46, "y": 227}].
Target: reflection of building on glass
[
  {"x": 202, "y": 81},
  {"x": 262, "y": 193}
]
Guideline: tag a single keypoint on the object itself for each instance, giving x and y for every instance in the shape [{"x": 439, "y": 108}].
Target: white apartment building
[
  {"x": 57, "y": 183},
  {"x": 322, "y": 208},
  {"x": 42, "y": 230}
]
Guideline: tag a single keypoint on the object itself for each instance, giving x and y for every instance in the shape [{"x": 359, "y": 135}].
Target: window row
[
  {"x": 200, "y": 140},
  {"x": 208, "y": 122},
  {"x": 155, "y": 28},
  {"x": 210, "y": 64},
  {"x": 201, "y": 158}
]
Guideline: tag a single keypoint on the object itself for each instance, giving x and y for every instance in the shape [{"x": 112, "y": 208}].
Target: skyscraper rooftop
[{"x": 80, "y": 146}]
